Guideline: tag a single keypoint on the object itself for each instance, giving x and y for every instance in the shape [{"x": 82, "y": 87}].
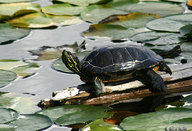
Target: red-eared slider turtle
[{"x": 117, "y": 63}]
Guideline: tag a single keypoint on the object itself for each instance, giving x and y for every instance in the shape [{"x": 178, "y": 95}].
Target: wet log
[{"x": 178, "y": 83}]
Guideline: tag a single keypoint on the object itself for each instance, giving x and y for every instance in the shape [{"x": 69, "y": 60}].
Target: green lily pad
[
  {"x": 75, "y": 114},
  {"x": 119, "y": 27},
  {"x": 31, "y": 122},
  {"x": 9, "y": 33},
  {"x": 21, "y": 68},
  {"x": 58, "y": 65},
  {"x": 17, "y": 9},
  {"x": 4, "y": 127},
  {"x": 18, "y": 103},
  {"x": 186, "y": 31},
  {"x": 65, "y": 20},
  {"x": 7, "y": 115},
  {"x": 131, "y": 20},
  {"x": 160, "y": 120},
  {"x": 170, "y": 23},
  {"x": 6, "y": 77},
  {"x": 83, "y": 2},
  {"x": 62, "y": 9},
  {"x": 111, "y": 32},
  {"x": 12, "y": 1},
  {"x": 34, "y": 20},
  {"x": 157, "y": 38},
  {"x": 96, "y": 13},
  {"x": 158, "y": 8},
  {"x": 99, "y": 125}
]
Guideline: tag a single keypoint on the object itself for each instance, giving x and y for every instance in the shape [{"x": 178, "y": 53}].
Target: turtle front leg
[
  {"x": 156, "y": 82},
  {"x": 99, "y": 86}
]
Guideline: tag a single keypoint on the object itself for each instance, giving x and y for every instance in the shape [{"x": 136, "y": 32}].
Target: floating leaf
[
  {"x": 4, "y": 127},
  {"x": 131, "y": 20},
  {"x": 7, "y": 115},
  {"x": 19, "y": 67},
  {"x": 159, "y": 8},
  {"x": 75, "y": 114},
  {"x": 99, "y": 125},
  {"x": 186, "y": 31},
  {"x": 20, "y": 104},
  {"x": 9, "y": 33},
  {"x": 6, "y": 77},
  {"x": 62, "y": 9},
  {"x": 96, "y": 13},
  {"x": 12, "y": 1},
  {"x": 83, "y": 2},
  {"x": 170, "y": 23},
  {"x": 58, "y": 65},
  {"x": 31, "y": 122},
  {"x": 111, "y": 32},
  {"x": 119, "y": 27},
  {"x": 160, "y": 120},
  {"x": 157, "y": 38},
  {"x": 146, "y": 36},
  {"x": 34, "y": 20},
  {"x": 65, "y": 20},
  {"x": 17, "y": 9}
]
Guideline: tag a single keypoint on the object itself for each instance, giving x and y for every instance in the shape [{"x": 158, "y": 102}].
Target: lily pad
[
  {"x": 6, "y": 77},
  {"x": 170, "y": 23},
  {"x": 111, "y": 32},
  {"x": 58, "y": 65},
  {"x": 119, "y": 27},
  {"x": 65, "y": 20},
  {"x": 157, "y": 38},
  {"x": 34, "y": 20},
  {"x": 4, "y": 127},
  {"x": 186, "y": 31},
  {"x": 21, "y": 68},
  {"x": 96, "y": 13},
  {"x": 131, "y": 20},
  {"x": 18, "y": 103},
  {"x": 9, "y": 33},
  {"x": 62, "y": 9},
  {"x": 159, "y": 8},
  {"x": 31, "y": 122},
  {"x": 99, "y": 125},
  {"x": 13, "y": 1},
  {"x": 83, "y": 2},
  {"x": 17, "y": 9},
  {"x": 160, "y": 120},
  {"x": 75, "y": 114},
  {"x": 7, "y": 115}
]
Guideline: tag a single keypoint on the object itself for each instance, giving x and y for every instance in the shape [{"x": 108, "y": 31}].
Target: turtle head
[{"x": 71, "y": 61}]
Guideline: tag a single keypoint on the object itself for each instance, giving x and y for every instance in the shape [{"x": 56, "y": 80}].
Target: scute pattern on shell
[{"x": 119, "y": 58}]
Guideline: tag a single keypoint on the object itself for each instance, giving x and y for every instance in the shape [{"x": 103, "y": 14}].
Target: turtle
[{"x": 116, "y": 63}]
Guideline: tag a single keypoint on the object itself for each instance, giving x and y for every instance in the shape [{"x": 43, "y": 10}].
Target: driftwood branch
[{"x": 178, "y": 83}]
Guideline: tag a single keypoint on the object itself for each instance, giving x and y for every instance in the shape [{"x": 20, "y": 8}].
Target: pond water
[{"x": 46, "y": 80}]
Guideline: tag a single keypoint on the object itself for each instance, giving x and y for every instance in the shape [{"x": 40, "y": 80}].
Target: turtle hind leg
[
  {"x": 156, "y": 82},
  {"x": 99, "y": 86}
]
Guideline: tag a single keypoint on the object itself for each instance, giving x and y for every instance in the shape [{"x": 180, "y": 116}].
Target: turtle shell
[{"x": 119, "y": 58}]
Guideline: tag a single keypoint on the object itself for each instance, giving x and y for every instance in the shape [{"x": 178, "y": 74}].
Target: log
[{"x": 178, "y": 83}]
